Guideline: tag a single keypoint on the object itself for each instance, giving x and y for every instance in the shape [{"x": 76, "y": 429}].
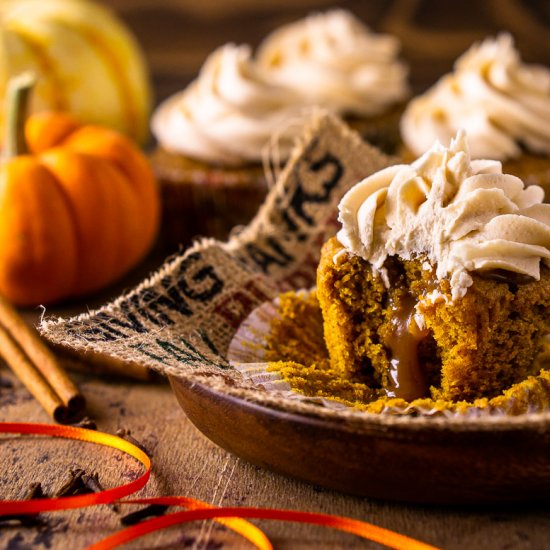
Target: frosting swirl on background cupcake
[
  {"x": 229, "y": 113},
  {"x": 333, "y": 60},
  {"x": 500, "y": 102},
  {"x": 463, "y": 215}
]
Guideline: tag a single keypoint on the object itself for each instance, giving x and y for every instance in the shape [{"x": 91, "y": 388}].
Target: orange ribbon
[
  {"x": 196, "y": 510},
  {"x": 79, "y": 501},
  {"x": 203, "y": 511}
]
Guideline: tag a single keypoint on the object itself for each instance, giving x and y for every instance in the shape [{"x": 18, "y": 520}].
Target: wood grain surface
[
  {"x": 176, "y": 36},
  {"x": 186, "y": 463}
]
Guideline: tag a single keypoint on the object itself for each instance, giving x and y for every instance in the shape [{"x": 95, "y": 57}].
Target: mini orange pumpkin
[{"x": 76, "y": 212}]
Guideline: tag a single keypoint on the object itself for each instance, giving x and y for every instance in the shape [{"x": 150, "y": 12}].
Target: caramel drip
[{"x": 406, "y": 373}]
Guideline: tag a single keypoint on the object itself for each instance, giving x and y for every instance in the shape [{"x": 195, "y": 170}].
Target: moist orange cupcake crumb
[{"x": 478, "y": 352}]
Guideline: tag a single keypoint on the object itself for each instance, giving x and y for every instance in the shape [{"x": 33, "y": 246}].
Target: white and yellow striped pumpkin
[{"x": 86, "y": 62}]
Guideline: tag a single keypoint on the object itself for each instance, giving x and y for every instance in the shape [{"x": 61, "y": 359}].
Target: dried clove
[
  {"x": 81, "y": 483},
  {"x": 91, "y": 481},
  {"x": 151, "y": 511},
  {"x": 127, "y": 434},
  {"x": 34, "y": 491},
  {"x": 74, "y": 485},
  {"x": 86, "y": 423}
]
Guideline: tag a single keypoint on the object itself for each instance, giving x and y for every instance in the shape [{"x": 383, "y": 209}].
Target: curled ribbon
[
  {"x": 196, "y": 510},
  {"x": 63, "y": 503}
]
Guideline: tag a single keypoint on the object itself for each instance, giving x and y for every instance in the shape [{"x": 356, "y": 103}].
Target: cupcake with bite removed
[
  {"x": 242, "y": 112},
  {"x": 434, "y": 296},
  {"x": 438, "y": 279},
  {"x": 501, "y": 102}
]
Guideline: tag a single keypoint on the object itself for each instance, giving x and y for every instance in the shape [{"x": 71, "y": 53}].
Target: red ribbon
[
  {"x": 79, "y": 501},
  {"x": 196, "y": 510}
]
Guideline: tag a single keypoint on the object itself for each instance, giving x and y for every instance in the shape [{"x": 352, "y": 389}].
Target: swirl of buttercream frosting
[
  {"x": 461, "y": 215},
  {"x": 333, "y": 60},
  {"x": 502, "y": 103},
  {"x": 229, "y": 113}
]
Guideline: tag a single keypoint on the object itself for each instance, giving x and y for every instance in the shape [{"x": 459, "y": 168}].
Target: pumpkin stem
[{"x": 17, "y": 103}]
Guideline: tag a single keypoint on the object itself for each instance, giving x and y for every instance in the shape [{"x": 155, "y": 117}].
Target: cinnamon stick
[
  {"x": 31, "y": 378},
  {"x": 36, "y": 366}
]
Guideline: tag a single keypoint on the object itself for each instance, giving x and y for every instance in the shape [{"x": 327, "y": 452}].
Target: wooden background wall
[{"x": 177, "y": 35}]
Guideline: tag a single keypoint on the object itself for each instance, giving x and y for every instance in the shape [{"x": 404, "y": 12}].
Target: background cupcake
[
  {"x": 215, "y": 135},
  {"x": 212, "y": 137},
  {"x": 502, "y": 103},
  {"x": 332, "y": 59}
]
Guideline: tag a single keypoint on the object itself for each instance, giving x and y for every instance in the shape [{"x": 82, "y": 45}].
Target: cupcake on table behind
[
  {"x": 333, "y": 60},
  {"x": 243, "y": 112},
  {"x": 501, "y": 102},
  {"x": 212, "y": 136}
]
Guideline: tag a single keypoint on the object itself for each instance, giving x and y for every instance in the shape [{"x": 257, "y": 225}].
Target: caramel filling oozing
[{"x": 408, "y": 379}]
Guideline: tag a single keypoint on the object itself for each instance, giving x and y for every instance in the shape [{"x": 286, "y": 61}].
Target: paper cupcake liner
[{"x": 246, "y": 354}]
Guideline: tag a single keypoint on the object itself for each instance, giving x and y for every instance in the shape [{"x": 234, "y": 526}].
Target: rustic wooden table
[{"x": 176, "y": 36}]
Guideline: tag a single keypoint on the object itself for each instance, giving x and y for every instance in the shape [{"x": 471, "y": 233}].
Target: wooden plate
[{"x": 421, "y": 460}]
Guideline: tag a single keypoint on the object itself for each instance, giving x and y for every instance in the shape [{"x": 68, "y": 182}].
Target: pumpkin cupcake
[
  {"x": 333, "y": 60},
  {"x": 502, "y": 103},
  {"x": 433, "y": 297},
  {"x": 214, "y": 136},
  {"x": 438, "y": 282},
  {"x": 212, "y": 139}
]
